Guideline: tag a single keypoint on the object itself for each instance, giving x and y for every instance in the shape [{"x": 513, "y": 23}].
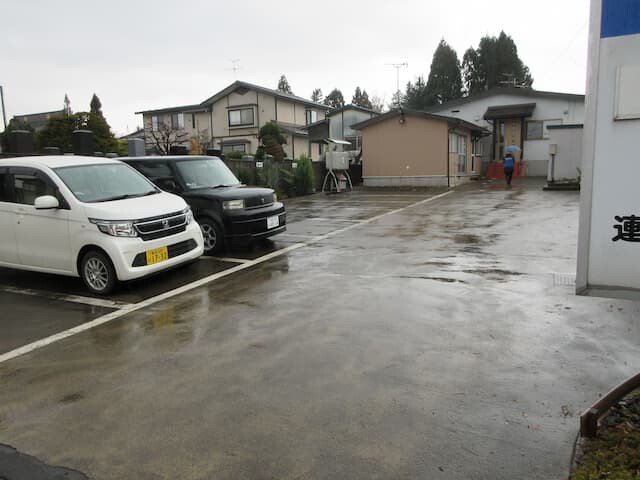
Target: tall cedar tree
[
  {"x": 283, "y": 85},
  {"x": 96, "y": 105},
  {"x": 492, "y": 63},
  {"x": 334, "y": 99},
  {"x": 361, "y": 99},
  {"x": 316, "y": 95},
  {"x": 417, "y": 97},
  {"x": 445, "y": 81}
]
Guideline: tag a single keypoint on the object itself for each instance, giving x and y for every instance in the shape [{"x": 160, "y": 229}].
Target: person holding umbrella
[{"x": 508, "y": 162}]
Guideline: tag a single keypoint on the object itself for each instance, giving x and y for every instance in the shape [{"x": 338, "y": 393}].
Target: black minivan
[{"x": 229, "y": 213}]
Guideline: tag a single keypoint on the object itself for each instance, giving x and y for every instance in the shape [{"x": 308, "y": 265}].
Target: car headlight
[
  {"x": 275, "y": 197},
  {"x": 233, "y": 205},
  {"x": 116, "y": 228},
  {"x": 188, "y": 215}
]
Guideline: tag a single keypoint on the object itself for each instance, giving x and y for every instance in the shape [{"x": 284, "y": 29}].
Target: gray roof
[
  {"x": 184, "y": 108},
  {"x": 353, "y": 107},
  {"x": 417, "y": 113},
  {"x": 521, "y": 92},
  {"x": 249, "y": 86},
  {"x": 204, "y": 106}
]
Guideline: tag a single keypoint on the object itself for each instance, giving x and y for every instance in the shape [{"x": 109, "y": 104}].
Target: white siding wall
[
  {"x": 568, "y": 161},
  {"x": 535, "y": 152}
]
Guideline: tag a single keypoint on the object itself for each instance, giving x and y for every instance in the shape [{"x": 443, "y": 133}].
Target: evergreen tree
[
  {"x": 417, "y": 96},
  {"x": 334, "y": 99},
  {"x": 316, "y": 96},
  {"x": 272, "y": 138},
  {"x": 95, "y": 106},
  {"x": 361, "y": 99},
  {"x": 283, "y": 85},
  {"x": 445, "y": 81},
  {"x": 494, "y": 63}
]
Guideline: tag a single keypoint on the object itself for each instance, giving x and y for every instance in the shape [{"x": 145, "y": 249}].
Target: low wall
[{"x": 417, "y": 181}]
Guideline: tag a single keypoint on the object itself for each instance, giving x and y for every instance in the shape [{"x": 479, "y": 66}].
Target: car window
[
  {"x": 205, "y": 172},
  {"x": 105, "y": 182},
  {"x": 5, "y": 190},
  {"x": 27, "y": 187},
  {"x": 154, "y": 170}
]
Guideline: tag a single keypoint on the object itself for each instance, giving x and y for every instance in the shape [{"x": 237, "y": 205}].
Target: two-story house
[
  {"x": 231, "y": 119},
  {"x": 337, "y": 126}
]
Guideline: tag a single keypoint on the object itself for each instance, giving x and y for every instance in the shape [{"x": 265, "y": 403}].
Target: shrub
[
  {"x": 245, "y": 176},
  {"x": 233, "y": 154},
  {"x": 268, "y": 175},
  {"x": 304, "y": 180}
]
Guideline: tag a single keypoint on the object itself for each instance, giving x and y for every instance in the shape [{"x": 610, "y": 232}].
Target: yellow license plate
[{"x": 157, "y": 255}]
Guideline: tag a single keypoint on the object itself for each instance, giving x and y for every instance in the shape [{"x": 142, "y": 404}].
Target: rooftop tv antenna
[
  {"x": 235, "y": 67},
  {"x": 398, "y": 66}
]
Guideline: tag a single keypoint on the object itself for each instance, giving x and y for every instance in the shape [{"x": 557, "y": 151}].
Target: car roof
[
  {"x": 56, "y": 161},
  {"x": 168, "y": 157}
]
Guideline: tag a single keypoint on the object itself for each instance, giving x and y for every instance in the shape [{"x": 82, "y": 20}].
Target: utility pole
[
  {"x": 4, "y": 114},
  {"x": 398, "y": 66}
]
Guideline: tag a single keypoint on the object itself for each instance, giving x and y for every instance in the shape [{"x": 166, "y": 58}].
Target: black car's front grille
[
  {"x": 258, "y": 201},
  {"x": 160, "y": 227},
  {"x": 174, "y": 250}
]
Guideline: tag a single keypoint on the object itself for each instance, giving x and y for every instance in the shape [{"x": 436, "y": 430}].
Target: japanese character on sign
[{"x": 628, "y": 229}]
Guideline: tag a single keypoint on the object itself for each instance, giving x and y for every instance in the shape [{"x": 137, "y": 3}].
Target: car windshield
[
  {"x": 205, "y": 172},
  {"x": 105, "y": 182}
]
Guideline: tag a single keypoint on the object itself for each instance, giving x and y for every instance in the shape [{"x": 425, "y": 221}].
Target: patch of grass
[{"x": 615, "y": 453}]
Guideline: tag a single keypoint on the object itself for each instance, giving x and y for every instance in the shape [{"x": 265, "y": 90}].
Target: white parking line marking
[
  {"x": 96, "y": 302},
  {"x": 225, "y": 259},
  {"x": 195, "y": 284}
]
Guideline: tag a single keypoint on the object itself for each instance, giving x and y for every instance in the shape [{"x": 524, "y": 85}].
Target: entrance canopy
[{"x": 509, "y": 111}]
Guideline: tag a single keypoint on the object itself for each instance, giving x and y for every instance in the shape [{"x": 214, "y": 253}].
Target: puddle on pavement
[
  {"x": 437, "y": 279},
  {"x": 467, "y": 238},
  {"x": 74, "y": 397}
]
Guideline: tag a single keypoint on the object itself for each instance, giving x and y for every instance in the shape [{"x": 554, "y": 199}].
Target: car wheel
[
  {"x": 97, "y": 272},
  {"x": 212, "y": 235}
]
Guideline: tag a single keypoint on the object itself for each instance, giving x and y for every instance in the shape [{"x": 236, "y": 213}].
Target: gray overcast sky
[{"x": 139, "y": 55}]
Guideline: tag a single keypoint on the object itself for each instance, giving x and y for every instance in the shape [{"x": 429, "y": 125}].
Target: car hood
[
  {"x": 162, "y": 203},
  {"x": 234, "y": 192}
]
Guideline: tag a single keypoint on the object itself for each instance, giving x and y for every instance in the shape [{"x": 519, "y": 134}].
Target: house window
[
  {"x": 458, "y": 144},
  {"x": 462, "y": 154},
  {"x": 538, "y": 129},
  {"x": 477, "y": 148},
  {"x": 241, "y": 117},
  {"x": 311, "y": 116},
  {"x": 155, "y": 123},
  {"x": 534, "y": 130},
  {"x": 177, "y": 120},
  {"x": 239, "y": 147}
]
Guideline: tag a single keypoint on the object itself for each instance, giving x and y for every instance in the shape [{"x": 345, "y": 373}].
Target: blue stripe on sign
[{"x": 620, "y": 17}]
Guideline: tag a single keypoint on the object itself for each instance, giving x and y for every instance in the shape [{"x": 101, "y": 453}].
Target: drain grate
[{"x": 564, "y": 279}]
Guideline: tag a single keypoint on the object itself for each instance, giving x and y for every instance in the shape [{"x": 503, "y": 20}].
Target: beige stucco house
[
  {"x": 231, "y": 119},
  {"x": 412, "y": 148}
]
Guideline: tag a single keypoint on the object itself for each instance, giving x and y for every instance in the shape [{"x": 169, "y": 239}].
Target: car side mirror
[{"x": 46, "y": 202}]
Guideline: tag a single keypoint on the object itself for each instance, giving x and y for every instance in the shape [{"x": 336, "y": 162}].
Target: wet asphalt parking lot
[{"x": 387, "y": 334}]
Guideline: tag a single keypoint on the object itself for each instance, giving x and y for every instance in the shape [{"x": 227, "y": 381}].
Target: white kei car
[{"x": 96, "y": 218}]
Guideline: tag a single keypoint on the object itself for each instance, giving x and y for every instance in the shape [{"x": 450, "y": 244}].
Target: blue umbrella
[{"x": 511, "y": 148}]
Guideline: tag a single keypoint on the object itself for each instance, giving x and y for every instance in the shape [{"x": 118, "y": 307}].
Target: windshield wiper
[{"x": 127, "y": 195}]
